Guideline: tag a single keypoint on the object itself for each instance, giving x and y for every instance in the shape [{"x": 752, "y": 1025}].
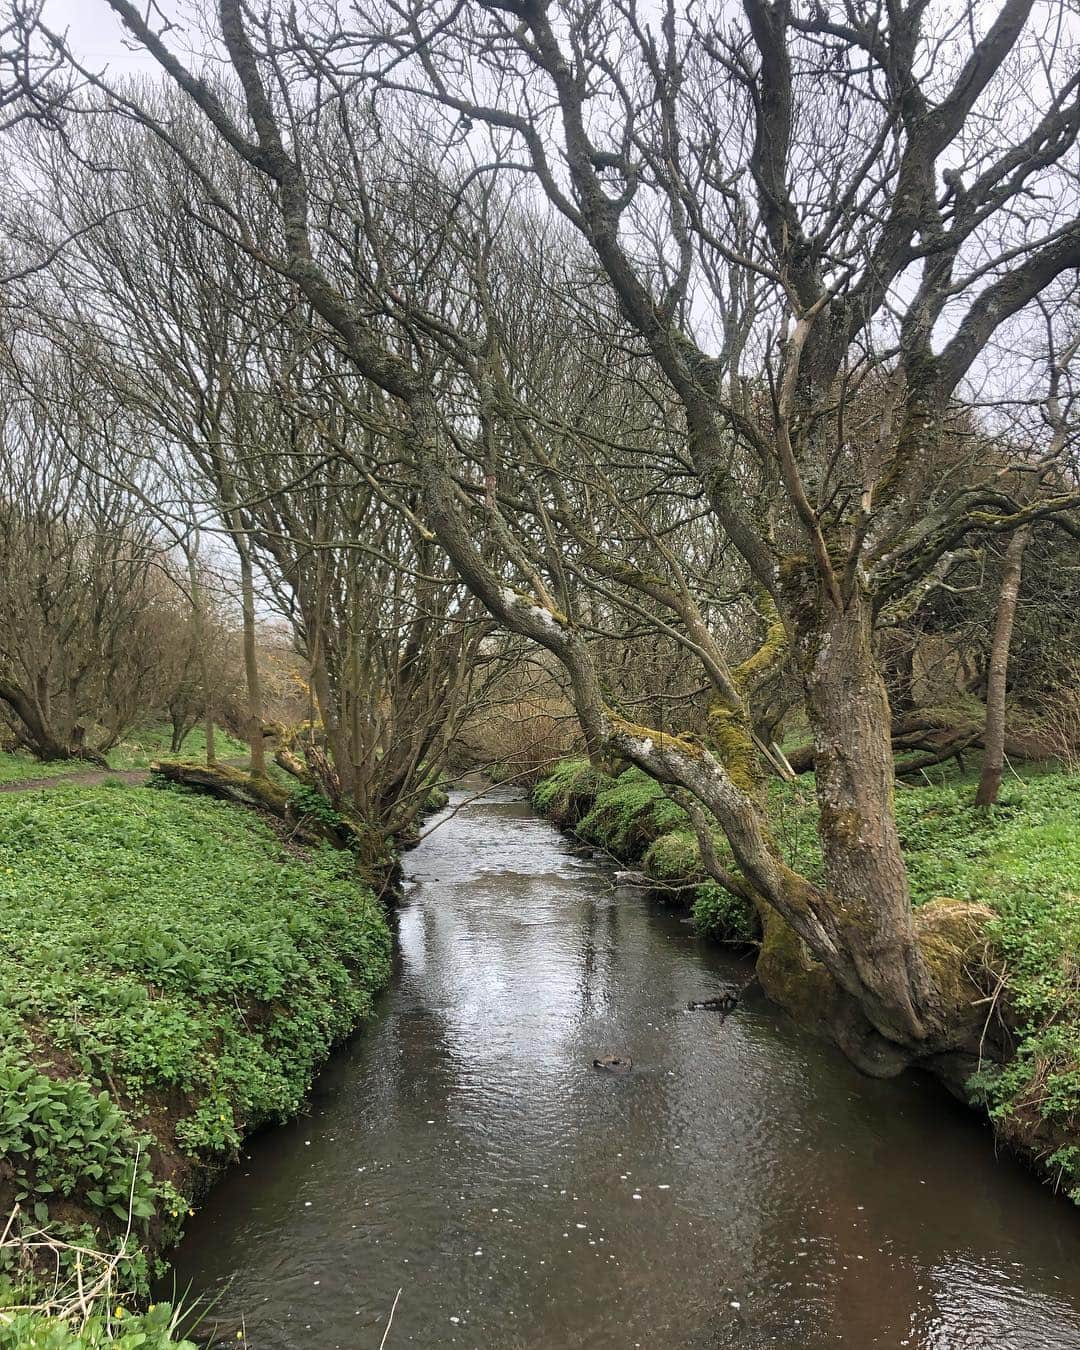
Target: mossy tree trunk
[{"x": 848, "y": 708}]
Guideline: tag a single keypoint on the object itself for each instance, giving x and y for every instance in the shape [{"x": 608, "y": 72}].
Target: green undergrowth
[
  {"x": 138, "y": 750},
  {"x": 171, "y": 979},
  {"x": 150, "y": 1331},
  {"x": 1020, "y": 858}
]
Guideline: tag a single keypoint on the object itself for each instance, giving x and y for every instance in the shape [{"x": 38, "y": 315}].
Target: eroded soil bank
[{"x": 741, "y": 1187}]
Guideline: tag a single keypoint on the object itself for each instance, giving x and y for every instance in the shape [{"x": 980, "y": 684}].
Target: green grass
[
  {"x": 18, "y": 765},
  {"x": 137, "y": 751},
  {"x": 169, "y": 980}
]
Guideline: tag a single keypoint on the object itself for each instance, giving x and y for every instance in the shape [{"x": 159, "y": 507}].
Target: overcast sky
[{"x": 97, "y": 36}]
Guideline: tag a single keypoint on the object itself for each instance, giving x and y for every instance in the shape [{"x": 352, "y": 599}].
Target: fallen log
[
  {"x": 925, "y": 731},
  {"x": 221, "y": 780}
]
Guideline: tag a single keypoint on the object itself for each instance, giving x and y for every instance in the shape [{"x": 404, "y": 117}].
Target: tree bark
[
  {"x": 997, "y": 678},
  {"x": 251, "y": 662},
  {"x": 198, "y": 619},
  {"x": 848, "y": 707},
  {"x": 37, "y": 730}
]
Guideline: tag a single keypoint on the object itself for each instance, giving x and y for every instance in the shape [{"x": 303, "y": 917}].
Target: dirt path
[
  {"x": 90, "y": 778},
  {"x": 87, "y": 778}
]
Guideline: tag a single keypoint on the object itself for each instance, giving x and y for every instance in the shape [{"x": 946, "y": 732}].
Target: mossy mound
[
  {"x": 569, "y": 791},
  {"x": 631, "y": 818},
  {"x": 953, "y": 936},
  {"x": 628, "y": 815}
]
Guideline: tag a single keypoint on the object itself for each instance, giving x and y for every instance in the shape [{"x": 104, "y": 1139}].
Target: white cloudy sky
[{"x": 97, "y": 36}]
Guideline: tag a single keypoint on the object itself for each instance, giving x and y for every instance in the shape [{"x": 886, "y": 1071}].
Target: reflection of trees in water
[
  {"x": 598, "y": 946},
  {"x": 405, "y": 1061}
]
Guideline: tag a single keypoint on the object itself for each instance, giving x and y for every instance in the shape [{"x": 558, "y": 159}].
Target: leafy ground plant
[
  {"x": 82, "y": 1303},
  {"x": 171, "y": 978}
]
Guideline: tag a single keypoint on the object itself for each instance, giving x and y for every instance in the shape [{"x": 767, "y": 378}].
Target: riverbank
[
  {"x": 136, "y": 752},
  {"x": 1021, "y": 859},
  {"x": 174, "y": 975}
]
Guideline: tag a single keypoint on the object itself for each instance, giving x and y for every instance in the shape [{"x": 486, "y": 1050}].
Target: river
[{"x": 742, "y": 1186}]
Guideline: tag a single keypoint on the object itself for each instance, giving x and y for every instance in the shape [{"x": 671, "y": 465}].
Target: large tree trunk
[
  {"x": 997, "y": 678},
  {"x": 37, "y": 732},
  {"x": 865, "y": 872},
  {"x": 336, "y": 740}
]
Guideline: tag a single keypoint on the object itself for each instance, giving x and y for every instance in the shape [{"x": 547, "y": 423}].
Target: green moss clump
[
  {"x": 568, "y": 792},
  {"x": 629, "y": 814},
  {"x": 675, "y": 856},
  {"x": 729, "y": 735}
]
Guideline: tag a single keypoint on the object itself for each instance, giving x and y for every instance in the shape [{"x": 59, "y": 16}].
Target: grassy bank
[
  {"x": 138, "y": 750},
  {"x": 172, "y": 979},
  {"x": 1020, "y": 858}
]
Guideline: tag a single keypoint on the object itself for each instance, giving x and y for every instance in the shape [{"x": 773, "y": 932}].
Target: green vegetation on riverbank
[
  {"x": 1021, "y": 858},
  {"x": 172, "y": 979},
  {"x": 136, "y": 751}
]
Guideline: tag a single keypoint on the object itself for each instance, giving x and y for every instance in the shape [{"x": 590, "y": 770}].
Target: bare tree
[
  {"x": 1060, "y": 421},
  {"x": 86, "y": 590},
  {"x": 812, "y": 228}
]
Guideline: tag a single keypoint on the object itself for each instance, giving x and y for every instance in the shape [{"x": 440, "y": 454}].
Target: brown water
[{"x": 742, "y": 1187}]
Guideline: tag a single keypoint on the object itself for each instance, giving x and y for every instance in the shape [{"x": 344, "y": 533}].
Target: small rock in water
[{"x": 613, "y": 1063}]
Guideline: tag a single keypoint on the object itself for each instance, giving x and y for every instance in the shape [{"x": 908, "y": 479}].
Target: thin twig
[{"x": 390, "y": 1321}]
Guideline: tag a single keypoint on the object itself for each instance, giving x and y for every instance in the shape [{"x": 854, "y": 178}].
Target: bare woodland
[{"x": 709, "y": 369}]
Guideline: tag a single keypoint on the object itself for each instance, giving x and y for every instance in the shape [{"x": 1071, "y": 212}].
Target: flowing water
[{"x": 742, "y": 1186}]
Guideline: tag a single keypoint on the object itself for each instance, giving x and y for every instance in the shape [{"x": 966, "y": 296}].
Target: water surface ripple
[{"x": 742, "y": 1187}]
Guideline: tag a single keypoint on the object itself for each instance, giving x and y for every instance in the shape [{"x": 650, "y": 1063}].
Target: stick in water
[{"x": 390, "y": 1320}]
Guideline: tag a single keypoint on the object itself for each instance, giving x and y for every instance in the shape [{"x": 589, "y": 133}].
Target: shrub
[{"x": 724, "y": 917}]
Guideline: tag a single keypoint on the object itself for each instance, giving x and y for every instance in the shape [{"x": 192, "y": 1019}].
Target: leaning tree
[{"x": 816, "y": 225}]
